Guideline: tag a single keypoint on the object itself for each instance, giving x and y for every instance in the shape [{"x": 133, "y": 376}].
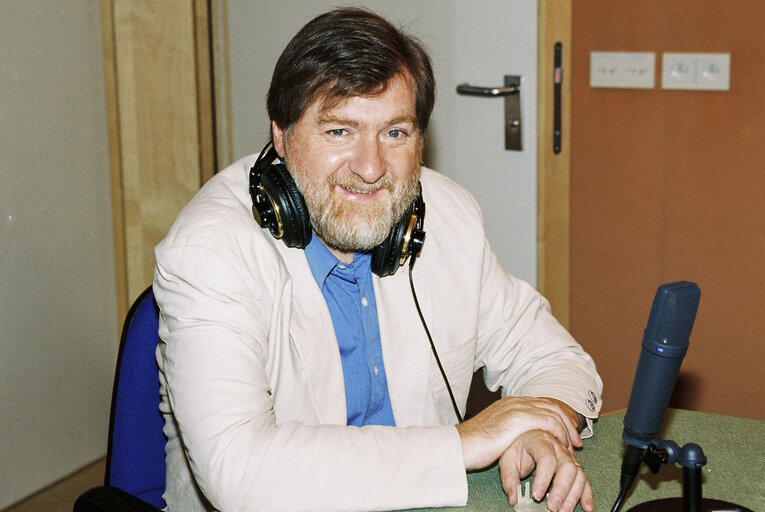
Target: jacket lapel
[
  {"x": 313, "y": 336},
  {"x": 405, "y": 346}
]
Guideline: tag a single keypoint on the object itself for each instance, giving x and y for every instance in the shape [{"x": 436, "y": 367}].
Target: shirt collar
[{"x": 322, "y": 261}]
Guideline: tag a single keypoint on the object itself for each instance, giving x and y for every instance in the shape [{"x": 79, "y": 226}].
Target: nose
[{"x": 368, "y": 160}]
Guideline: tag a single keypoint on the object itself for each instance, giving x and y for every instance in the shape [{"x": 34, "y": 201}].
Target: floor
[{"x": 60, "y": 496}]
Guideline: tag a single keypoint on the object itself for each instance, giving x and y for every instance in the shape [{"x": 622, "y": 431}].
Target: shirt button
[
  {"x": 377, "y": 371},
  {"x": 341, "y": 266},
  {"x": 364, "y": 302},
  {"x": 590, "y": 405},
  {"x": 593, "y": 397}
]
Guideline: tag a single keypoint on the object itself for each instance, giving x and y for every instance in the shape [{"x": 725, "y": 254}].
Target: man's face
[{"x": 357, "y": 164}]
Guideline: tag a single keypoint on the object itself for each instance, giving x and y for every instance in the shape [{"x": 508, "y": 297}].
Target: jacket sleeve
[
  {"x": 525, "y": 351},
  {"x": 215, "y": 323}
]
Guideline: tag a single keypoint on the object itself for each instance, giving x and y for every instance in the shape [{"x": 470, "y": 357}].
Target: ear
[{"x": 278, "y": 137}]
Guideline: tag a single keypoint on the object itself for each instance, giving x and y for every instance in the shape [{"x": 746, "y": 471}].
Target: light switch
[
  {"x": 623, "y": 70},
  {"x": 696, "y": 71}
]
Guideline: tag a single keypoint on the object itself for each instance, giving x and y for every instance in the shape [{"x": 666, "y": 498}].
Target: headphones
[{"x": 278, "y": 206}]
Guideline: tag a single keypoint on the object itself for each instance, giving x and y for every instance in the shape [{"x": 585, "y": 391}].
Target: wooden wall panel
[
  {"x": 162, "y": 112},
  {"x": 553, "y": 172},
  {"x": 669, "y": 185}
]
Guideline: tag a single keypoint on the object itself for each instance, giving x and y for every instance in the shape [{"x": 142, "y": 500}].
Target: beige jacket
[{"x": 251, "y": 376}]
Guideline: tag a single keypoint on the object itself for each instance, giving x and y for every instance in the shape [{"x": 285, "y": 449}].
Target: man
[{"x": 292, "y": 378}]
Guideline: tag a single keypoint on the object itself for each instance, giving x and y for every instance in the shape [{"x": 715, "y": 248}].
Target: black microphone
[{"x": 665, "y": 342}]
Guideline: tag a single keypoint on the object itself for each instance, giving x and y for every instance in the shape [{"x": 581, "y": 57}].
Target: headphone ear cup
[
  {"x": 404, "y": 240},
  {"x": 386, "y": 256},
  {"x": 290, "y": 204}
]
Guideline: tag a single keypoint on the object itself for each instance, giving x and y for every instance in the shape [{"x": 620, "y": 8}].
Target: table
[{"x": 735, "y": 469}]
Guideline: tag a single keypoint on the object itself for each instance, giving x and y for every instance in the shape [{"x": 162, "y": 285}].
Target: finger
[
  {"x": 563, "y": 485},
  {"x": 510, "y": 475},
  {"x": 588, "y": 499},
  {"x": 577, "y": 494},
  {"x": 569, "y": 419},
  {"x": 568, "y": 416},
  {"x": 554, "y": 424},
  {"x": 546, "y": 466},
  {"x": 571, "y": 428}
]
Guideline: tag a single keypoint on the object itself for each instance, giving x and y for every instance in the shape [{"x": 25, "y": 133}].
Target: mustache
[{"x": 356, "y": 184}]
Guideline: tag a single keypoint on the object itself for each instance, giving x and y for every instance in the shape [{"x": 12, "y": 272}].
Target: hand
[
  {"x": 554, "y": 463},
  {"x": 487, "y": 435}
]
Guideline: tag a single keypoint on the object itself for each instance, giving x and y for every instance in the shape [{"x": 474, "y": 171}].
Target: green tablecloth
[{"x": 735, "y": 469}]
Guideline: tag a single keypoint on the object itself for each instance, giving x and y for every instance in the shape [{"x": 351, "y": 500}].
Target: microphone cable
[
  {"x": 620, "y": 499},
  {"x": 432, "y": 345}
]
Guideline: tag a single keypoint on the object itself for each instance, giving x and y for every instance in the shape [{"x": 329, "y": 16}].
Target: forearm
[
  {"x": 336, "y": 468},
  {"x": 525, "y": 351}
]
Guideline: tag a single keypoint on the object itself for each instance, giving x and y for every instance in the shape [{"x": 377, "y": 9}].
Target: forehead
[{"x": 396, "y": 100}]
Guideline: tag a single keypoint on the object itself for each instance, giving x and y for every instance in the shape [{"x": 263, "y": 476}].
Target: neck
[{"x": 345, "y": 257}]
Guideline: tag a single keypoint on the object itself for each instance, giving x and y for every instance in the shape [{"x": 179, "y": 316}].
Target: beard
[{"x": 347, "y": 225}]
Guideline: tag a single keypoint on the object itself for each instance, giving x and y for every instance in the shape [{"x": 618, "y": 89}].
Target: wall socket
[
  {"x": 623, "y": 70},
  {"x": 696, "y": 71}
]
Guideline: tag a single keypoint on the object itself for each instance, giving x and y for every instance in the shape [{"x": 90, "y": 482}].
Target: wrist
[
  {"x": 577, "y": 419},
  {"x": 472, "y": 448}
]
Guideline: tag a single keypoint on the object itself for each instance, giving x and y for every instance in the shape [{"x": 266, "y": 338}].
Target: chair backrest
[{"x": 136, "y": 454}]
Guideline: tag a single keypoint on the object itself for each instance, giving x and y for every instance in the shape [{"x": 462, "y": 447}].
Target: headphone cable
[{"x": 432, "y": 345}]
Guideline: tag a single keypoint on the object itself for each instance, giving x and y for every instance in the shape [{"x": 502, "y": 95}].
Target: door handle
[
  {"x": 511, "y": 91},
  {"x": 557, "y": 82},
  {"x": 474, "y": 90}
]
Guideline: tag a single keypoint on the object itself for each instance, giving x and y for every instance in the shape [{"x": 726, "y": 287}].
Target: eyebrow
[{"x": 328, "y": 119}]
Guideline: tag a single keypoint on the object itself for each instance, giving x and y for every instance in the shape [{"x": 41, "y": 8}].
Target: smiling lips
[
  {"x": 362, "y": 190},
  {"x": 356, "y": 191}
]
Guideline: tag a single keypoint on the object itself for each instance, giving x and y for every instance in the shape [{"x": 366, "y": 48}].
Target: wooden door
[{"x": 666, "y": 186}]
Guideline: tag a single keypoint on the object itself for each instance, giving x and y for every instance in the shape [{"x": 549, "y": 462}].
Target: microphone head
[
  {"x": 665, "y": 342},
  {"x": 672, "y": 315}
]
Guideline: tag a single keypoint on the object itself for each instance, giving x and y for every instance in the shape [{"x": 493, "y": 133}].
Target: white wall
[{"x": 58, "y": 325}]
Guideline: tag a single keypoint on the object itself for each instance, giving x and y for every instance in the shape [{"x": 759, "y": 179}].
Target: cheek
[
  {"x": 324, "y": 163},
  {"x": 334, "y": 159},
  {"x": 404, "y": 163}
]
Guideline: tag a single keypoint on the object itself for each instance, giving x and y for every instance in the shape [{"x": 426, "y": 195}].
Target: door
[
  {"x": 668, "y": 185},
  {"x": 475, "y": 42}
]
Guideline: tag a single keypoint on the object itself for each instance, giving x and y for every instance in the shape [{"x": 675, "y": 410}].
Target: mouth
[{"x": 359, "y": 193}]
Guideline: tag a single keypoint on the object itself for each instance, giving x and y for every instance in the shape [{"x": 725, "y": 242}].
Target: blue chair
[{"x": 135, "y": 460}]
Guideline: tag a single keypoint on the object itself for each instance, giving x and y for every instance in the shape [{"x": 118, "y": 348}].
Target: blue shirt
[{"x": 350, "y": 296}]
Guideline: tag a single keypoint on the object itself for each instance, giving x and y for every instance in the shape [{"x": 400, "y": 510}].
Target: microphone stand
[{"x": 691, "y": 457}]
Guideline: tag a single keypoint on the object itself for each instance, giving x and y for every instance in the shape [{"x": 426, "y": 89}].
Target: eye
[
  {"x": 337, "y": 132},
  {"x": 396, "y": 133}
]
